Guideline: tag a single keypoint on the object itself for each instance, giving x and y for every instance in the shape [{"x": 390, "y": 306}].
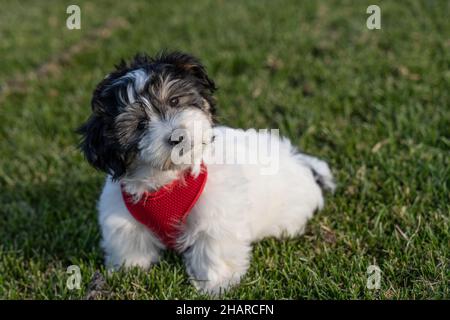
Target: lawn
[{"x": 374, "y": 103}]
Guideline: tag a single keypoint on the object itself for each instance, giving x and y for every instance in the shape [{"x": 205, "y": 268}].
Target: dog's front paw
[
  {"x": 142, "y": 262},
  {"x": 215, "y": 286},
  {"x": 214, "y": 264},
  {"x": 214, "y": 282}
]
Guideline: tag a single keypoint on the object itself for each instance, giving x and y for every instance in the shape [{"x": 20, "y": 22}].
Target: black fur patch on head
[
  {"x": 111, "y": 135},
  {"x": 188, "y": 65}
]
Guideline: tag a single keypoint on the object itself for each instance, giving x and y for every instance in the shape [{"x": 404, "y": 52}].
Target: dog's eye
[
  {"x": 141, "y": 125},
  {"x": 174, "y": 102}
]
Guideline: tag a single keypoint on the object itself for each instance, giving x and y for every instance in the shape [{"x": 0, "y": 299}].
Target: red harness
[{"x": 165, "y": 209}]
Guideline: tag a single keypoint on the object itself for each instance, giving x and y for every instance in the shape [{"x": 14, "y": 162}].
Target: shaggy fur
[{"x": 136, "y": 111}]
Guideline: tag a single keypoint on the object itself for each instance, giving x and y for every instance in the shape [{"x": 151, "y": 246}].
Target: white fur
[{"x": 238, "y": 206}]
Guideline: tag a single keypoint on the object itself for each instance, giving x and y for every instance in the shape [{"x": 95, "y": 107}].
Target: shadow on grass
[
  {"x": 56, "y": 221},
  {"x": 52, "y": 220}
]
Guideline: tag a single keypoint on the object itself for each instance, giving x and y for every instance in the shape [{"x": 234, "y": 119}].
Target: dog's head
[{"x": 156, "y": 112}]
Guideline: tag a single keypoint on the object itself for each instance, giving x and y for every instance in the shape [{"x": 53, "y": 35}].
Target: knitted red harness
[{"x": 165, "y": 209}]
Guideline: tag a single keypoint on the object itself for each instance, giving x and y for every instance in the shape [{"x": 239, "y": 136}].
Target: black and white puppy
[{"x": 130, "y": 135}]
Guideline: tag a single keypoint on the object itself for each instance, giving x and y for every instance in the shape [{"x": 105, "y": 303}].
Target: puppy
[{"x": 166, "y": 189}]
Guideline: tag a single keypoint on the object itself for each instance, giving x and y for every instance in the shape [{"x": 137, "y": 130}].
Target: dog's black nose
[{"x": 174, "y": 141}]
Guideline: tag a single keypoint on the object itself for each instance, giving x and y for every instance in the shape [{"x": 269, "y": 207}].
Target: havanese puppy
[{"x": 177, "y": 180}]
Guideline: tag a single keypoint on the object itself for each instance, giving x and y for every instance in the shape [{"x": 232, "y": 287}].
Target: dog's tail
[{"x": 320, "y": 170}]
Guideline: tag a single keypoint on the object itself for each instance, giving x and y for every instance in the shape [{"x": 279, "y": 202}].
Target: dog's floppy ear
[{"x": 98, "y": 143}]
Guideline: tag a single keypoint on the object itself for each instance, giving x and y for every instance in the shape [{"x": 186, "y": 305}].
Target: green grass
[{"x": 375, "y": 104}]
